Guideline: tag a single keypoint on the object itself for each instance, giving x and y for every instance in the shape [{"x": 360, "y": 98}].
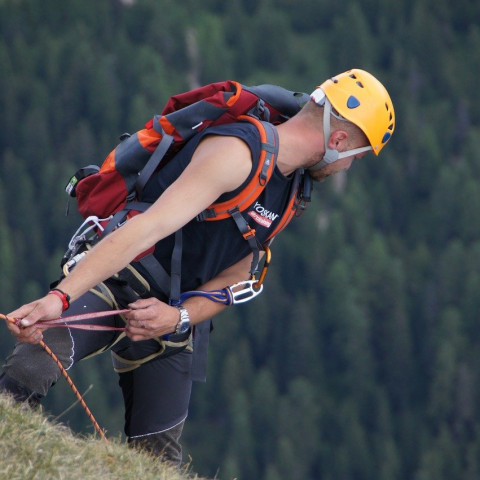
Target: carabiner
[
  {"x": 268, "y": 256},
  {"x": 91, "y": 223},
  {"x": 73, "y": 261},
  {"x": 248, "y": 291}
]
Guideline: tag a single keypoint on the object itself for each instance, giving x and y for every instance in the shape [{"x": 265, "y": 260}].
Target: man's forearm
[{"x": 201, "y": 308}]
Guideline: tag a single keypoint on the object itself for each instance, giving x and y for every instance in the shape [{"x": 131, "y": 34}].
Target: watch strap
[{"x": 184, "y": 322}]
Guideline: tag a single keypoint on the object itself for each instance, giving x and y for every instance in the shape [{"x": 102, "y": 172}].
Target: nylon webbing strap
[
  {"x": 134, "y": 280},
  {"x": 249, "y": 235},
  {"x": 120, "y": 216},
  {"x": 169, "y": 285},
  {"x": 67, "y": 321},
  {"x": 176, "y": 268},
  {"x": 153, "y": 163},
  {"x": 160, "y": 277},
  {"x": 271, "y": 149}
]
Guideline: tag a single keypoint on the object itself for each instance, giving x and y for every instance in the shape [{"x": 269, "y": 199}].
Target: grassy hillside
[{"x": 34, "y": 447}]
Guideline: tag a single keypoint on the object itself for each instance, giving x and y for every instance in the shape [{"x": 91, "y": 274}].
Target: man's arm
[
  {"x": 219, "y": 165},
  {"x": 152, "y": 318}
]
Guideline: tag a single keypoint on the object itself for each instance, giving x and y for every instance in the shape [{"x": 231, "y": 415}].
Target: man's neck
[{"x": 300, "y": 145}]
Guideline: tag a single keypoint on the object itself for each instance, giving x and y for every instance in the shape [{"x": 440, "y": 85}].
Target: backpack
[{"x": 110, "y": 194}]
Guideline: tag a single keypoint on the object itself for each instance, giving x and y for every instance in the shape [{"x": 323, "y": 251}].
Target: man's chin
[{"x": 319, "y": 176}]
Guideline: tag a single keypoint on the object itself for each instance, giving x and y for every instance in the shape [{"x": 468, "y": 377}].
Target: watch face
[{"x": 184, "y": 326}]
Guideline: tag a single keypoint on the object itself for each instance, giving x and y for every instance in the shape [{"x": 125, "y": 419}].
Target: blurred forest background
[{"x": 360, "y": 360}]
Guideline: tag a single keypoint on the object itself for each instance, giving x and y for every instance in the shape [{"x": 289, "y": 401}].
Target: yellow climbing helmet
[{"x": 359, "y": 97}]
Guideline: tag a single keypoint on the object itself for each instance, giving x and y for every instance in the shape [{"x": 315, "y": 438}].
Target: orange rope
[
  {"x": 69, "y": 381},
  {"x": 74, "y": 389}
]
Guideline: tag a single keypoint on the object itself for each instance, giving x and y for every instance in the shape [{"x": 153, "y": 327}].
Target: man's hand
[
  {"x": 150, "y": 318},
  {"x": 27, "y": 324}
]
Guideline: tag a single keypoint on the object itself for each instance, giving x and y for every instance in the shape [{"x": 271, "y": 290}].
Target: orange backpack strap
[
  {"x": 232, "y": 208},
  {"x": 300, "y": 194},
  {"x": 263, "y": 173}
]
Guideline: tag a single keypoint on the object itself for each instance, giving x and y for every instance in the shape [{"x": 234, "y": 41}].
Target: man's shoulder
[
  {"x": 245, "y": 131},
  {"x": 236, "y": 129}
]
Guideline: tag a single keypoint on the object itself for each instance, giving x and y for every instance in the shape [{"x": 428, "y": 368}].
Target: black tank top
[{"x": 211, "y": 247}]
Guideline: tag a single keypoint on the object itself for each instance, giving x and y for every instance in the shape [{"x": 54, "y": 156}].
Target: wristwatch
[{"x": 184, "y": 323}]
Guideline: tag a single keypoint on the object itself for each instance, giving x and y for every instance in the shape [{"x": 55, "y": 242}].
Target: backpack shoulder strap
[
  {"x": 263, "y": 173},
  {"x": 300, "y": 194}
]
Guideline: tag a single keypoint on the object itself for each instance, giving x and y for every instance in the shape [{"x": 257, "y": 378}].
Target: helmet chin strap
[{"x": 331, "y": 155}]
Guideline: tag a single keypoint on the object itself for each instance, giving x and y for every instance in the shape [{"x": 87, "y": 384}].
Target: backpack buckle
[{"x": 249, "y": 234}]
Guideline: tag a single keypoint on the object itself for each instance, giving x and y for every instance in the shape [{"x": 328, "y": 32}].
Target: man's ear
[{"x": 337, "y": 139}]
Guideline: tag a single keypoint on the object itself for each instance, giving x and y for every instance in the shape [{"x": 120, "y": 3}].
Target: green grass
[{"x": 32, "y": 446}]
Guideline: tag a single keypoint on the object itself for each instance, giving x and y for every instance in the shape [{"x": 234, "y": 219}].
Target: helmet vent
[{"x": 386, "y": 137}]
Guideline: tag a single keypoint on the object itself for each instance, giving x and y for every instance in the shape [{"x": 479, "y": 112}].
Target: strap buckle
[{"x": 249, "y": 234}]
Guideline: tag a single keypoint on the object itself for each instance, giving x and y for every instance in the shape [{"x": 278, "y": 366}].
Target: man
[{"x": 347, "y": 116}]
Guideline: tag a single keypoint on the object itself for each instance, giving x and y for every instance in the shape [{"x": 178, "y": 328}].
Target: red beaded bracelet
[{"x": 64, "y": 297}]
